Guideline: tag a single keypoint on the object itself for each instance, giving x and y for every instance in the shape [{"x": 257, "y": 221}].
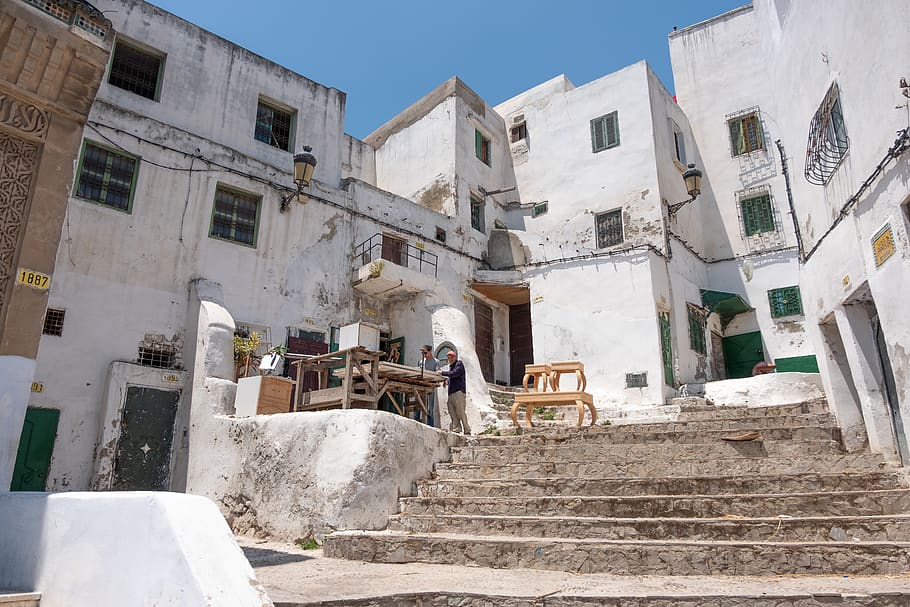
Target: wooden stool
[
  {"x": 541, "y": 375},
  {"x": 553, "y": 399},
  {"x": 566, "y": 366}
]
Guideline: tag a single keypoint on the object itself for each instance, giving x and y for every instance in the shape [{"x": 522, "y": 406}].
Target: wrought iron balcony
[{"x": 388, "y": 266}]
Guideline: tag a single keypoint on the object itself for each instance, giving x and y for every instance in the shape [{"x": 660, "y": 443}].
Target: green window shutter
[
  {"x": 737, "y": 140},
  {"x": 611, "y": 126},
  {"x": 758, "y": 216},
  {"x": 753, "y": 133},
  {"x": 597, "y": 137},
  {"x": 697, "y": 326},
  {"x": 785, "y": 302},
  {"x": 478, "y": 144}
]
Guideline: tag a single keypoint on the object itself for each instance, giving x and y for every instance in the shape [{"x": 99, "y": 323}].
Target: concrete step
[
  {"x": 836, "y": 503},
  {"x": 625, "y": 557},
  {"x": 704, "y": 485},
  {"x": 14, "y": 598},
  {"x": 805, "y": 529},
  {"x": 738, "y": 466},
  {"x": 607, "y": 453},
  {"x": 622, "y": 435},
  {"x": 711, "y": 412}
]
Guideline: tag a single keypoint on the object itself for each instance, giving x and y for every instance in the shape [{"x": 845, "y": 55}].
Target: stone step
[
  {"x": 812, "y": 529},
  {"x": 705, "y": 485},
  {"x": 740, "y": 466},
  {"x": 710, "y": 412},
  {"x": 617, "y": 435},
  {"x": 607, "y": 453},
  {"x": 12, "y": 598},
  {"x": 625, "y": 557},
  {"x": 833, "y": 503}
]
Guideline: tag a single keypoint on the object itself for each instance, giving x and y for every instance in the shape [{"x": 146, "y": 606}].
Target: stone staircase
[{"x": 659, "y": 499}]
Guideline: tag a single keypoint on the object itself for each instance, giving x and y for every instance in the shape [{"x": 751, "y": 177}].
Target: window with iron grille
[
  {"x": 540, "y": 208},
  {"x": 605, "y": 132},
  {"x": 745, "y": 134},
  {"x": 785, "y": 302},
  {"x": 235, "y": 216},
  {"x": 758, "y": 215},
  {"x": 698, "y": 323},
  {"x": 273, "y": 126},
  {"x": 136, "y": 71},
  {"x": 106, "y": 177},
  {"x": 828, "y": 141},
  {"x": 161, "y": 356},
  {"x": 477, "y": 214},
  {"x": 482, "y": 147},
  {"x": 679, "y": 143},
  {"x": 53, "y": 322},
  {"x": 608, "y": 227},
  {"x": 518, "y": 132}
]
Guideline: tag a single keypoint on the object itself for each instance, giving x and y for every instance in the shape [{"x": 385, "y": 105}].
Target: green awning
[{"x": 725, "y": 305}]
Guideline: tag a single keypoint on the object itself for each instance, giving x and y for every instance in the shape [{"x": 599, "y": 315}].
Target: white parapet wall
[
  {"x": 301, "y": 475},
  {"x": 116, "y": 549},
  {"x": 765, "y": 390}
]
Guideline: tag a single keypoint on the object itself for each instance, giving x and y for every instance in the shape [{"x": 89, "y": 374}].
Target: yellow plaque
[
  {"x": 37, "y": 386},
  {"x": 421, "y": 246},
  {"x": 31, "y": 278},
  {"x": 883, "y": 245},
  {"x": 171, "y": 378}
]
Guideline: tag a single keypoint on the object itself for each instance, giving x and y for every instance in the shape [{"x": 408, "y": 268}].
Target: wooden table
[
  {"x": 540, "y": 374},
  {"x": 415, "y": 384},
  {"x": 550, "y": 373},
  {"x": 568, "y": 366}
]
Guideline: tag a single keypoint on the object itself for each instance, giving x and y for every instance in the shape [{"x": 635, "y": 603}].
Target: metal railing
[{"x": 397, "y": 251}]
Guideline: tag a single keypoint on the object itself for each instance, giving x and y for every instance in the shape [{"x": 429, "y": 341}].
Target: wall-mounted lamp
[
  {"x": 304, "y": 165},
  {"x": 692, "y": 177}
]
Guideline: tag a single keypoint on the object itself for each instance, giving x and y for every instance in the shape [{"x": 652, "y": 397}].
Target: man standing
[
  {"x": 429, "y": 363},
  {"x": 456, "y": 383}
]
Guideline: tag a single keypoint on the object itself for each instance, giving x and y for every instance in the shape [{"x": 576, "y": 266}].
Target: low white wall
[
  {"x": 765, "y": 390},
  {"x": 106, "y": 549},
  {"x": 16, "y": 373},
  {"x": 298, "y": 475}
]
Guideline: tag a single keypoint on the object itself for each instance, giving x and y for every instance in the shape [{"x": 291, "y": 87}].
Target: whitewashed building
[
  {"x": 800, "y": 112},
  {"x": 546, "y": 228}
]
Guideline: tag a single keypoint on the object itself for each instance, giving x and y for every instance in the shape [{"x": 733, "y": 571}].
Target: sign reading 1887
[{"x": 31, "y": 278}]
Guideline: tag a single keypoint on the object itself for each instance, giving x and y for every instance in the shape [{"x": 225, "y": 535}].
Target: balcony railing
[{"x": 394, "y": 250}]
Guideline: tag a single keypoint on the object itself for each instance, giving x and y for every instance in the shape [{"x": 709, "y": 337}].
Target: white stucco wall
[
  {"x": 131, "y": 548},
  {"x": 16, "y": 373}
]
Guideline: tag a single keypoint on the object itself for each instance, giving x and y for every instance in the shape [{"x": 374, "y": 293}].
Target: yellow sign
[
  {"x": 33, "y": 279},
  {"x": 883, "y": 245},
  {"x": 421, "y": 246},
  {"x": 171, "y": 378},
  {"x": 37, "y": 387}
]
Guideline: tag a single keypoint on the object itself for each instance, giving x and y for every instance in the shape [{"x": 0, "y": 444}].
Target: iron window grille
[
  {"x": 477, "y": 214},
  {"x": 53, "y": 322},
  {"x": 518, "y": 133},
  {"x": 785, "y": 302},
  {"x": 273, "y": 126},
  {"x": 698, "y": 323},
  {"x": 745, "y": 132},
  {"x": 605, "y": 132},
  {"x": 235, "y": 216},
  {"x": 828, "y": 141},
  {"x": 608, "y": 228},
  {"x": 540, "y": 208},
  {"x": 106, "y": 177},
  {"x": 482, "y": 148},
  {"x": 161, "y": 356},
  {"x": 136, "y": 71},
  {"x": 758, "y": 215}
]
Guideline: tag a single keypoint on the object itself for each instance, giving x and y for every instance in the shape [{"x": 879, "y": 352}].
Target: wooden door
[
  {"x": 143, "y": 460},
  {"x": 742, "y": 353},
  {"x": 483, "y": 338},
  {"x": 394, "y": 250},
  {"x": 36, "y": 445},
  {"x": 521, "y": 345}
]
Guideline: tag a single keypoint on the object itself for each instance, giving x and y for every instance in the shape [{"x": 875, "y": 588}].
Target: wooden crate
[{"x": 263, "y": 395}]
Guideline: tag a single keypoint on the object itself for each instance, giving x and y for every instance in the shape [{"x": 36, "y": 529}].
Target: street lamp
[
  {"x": 304, "y": 165},
  {"x": 692, "y": 177}
]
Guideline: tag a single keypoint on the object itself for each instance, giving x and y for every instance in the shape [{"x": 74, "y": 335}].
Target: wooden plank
[
  {"x": 317, "y": 397},
  {"x": 347, "y": 383}
]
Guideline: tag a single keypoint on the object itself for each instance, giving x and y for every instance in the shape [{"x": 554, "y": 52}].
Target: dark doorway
[
  {"x": 394, "y": 250},
  {"x": 890, "y": 391},
  {"x": 483, "y": 338},
  {"x": 521, "y": 345},
  {"x": 717, "y": 357},
  {"x": 311, "y": 343},
  {"x": 143, "y": 461},
  {"x": 742, "y": 353},
  {"x": 36, "y": 445}
]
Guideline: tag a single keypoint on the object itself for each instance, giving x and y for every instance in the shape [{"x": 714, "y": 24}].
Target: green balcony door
[{"x": 36, "y": 445}]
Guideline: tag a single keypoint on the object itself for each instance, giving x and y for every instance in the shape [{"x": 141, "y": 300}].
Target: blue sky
[{"x": 386, "y": 54}]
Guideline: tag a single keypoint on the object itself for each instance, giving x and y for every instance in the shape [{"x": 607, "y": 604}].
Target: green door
[
  {"x": 143, "y": 461},
  {"x": 35, "y": 448},
  {"x": 741, "y": 353},
  {"x": 666, "y": 347}
]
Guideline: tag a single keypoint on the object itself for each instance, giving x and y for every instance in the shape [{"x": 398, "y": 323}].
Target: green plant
[
  {"x": 492, "y": 430},
  {"x": 376, "y": 268},
  {"x": 244, "y": 347},
  {"x": 606, "y": 422},
  {"x": 306, "y": 543},
  {"x": 548, "y": 414}
]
